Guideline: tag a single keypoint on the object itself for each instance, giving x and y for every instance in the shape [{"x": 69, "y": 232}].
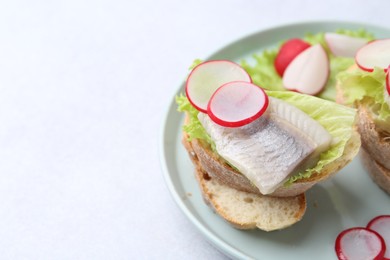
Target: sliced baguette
[
  {"x": 244, "y": 210},
  {"x": 218, "y": 169},
  {"x": 374, "y": 140},
  {"x": 378, "y": 173},
  {"x": 375, "y": 152}
]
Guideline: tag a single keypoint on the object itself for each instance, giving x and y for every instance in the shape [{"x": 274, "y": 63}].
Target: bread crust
[
  {"x": 373, "y": 140},
  {"x": 225, "y": 174},
  {"x": 378, "y": 173},
  {"x": 263, "y": 220}
]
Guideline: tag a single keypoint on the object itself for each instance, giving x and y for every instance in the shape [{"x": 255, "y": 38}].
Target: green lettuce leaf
[
  {"x": 194, "y": 128},
  {"x": 264, "y": 74},
  {"x": 357, "y": 84}
]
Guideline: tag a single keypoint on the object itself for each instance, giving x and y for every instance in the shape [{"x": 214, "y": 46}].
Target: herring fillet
[{"x": 267, "y": 151}]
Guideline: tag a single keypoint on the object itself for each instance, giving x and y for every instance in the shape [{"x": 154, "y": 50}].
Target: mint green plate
[{"x": 347, "y": 200}]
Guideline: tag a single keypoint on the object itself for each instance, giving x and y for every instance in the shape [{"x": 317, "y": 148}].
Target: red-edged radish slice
[
  {"x": 387, "y": 92},
  {"x": 343, "y": 45},
  {"x": 208, "y": 76},
  {"x": 360, "y": 243},
  {"x": 237, "y": 103},
  {"x": 381, "y": 224},
  {"x": 388, "y": 80},
  {"x": 374, "y": 54},
  {"x": 308, "y": 72},
  {"x": 288, "y": 51}
]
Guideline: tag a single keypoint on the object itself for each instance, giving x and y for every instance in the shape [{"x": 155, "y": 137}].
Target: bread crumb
[{"x": 189, "y": 194}]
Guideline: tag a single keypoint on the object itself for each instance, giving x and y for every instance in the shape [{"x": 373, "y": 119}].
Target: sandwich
[
  {"x": 256, "y": 151},
  {"x": 366, "y": 87}
]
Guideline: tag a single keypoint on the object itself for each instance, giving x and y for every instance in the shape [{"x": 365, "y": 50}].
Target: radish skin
[
  {"x": 388, "y": 81},
  {"x": 288, "y": 51}
]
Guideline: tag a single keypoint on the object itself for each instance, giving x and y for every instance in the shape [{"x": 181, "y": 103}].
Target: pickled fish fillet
[{"x": 267, "y": 151}]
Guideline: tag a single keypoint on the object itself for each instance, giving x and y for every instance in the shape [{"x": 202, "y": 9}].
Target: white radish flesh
[
  {"x": 208, "y": 76},
  {"x": 308, "y": 72},
  {"x": 381, "y": 225},
  {"x": 360, "y": 243},
  {"x": 343, "y": 45},
  {"x": 237, "y": 103},
  {"x": 374, "y": 54}
]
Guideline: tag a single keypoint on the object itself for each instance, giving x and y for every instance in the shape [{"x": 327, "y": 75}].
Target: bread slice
[
  {"x": 218, "y": 169},
  {"x": 375, "y": 154},
  {"x": 378, "y": 173},
  {"x": 245, "y": 210},
  {"x": 374, "y": 140}
]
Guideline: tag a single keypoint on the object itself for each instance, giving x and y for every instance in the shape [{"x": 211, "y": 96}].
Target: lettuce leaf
[
  {"x": 264, "y": 74},
  {"x": 193, "y": 128},
  {"x": 338, "y": 120},
  {"x": 357, "y": 84}
]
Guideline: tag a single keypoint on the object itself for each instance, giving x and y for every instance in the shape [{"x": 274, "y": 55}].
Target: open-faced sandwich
[
  {"x": 257, "y": 151},
  {"x": 366, "y": 86},
  {"x": 349, "y": 67}
]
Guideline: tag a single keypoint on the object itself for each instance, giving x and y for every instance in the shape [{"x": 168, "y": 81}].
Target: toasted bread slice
[
  {"x": 379, "y": 174},
  {"x": 218, "y": 169},
  {"x": 245, "y": 210}
]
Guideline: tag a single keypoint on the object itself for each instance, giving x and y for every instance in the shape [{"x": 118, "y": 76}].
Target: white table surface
[{"x": 83, "y": 89}]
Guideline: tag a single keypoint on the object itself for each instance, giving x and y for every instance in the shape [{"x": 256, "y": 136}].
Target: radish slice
[
  {"x": 237, "y": 103},
  {"x": 381, "y": 225},
  {"x": 343, "y": 45},
  {"x": 288, "y": 51},
  {"x": 360, "y": 243},
  {"x": 308, "y": 72},
  {"x": 208, "y": 76},
  {"x": 387, "y": 93},
  {"x": 374, "y": 54},
  {"x": 388, "y": 81}
]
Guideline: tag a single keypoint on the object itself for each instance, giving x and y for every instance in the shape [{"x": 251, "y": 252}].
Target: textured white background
[{"x": 83, "y": 87}]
